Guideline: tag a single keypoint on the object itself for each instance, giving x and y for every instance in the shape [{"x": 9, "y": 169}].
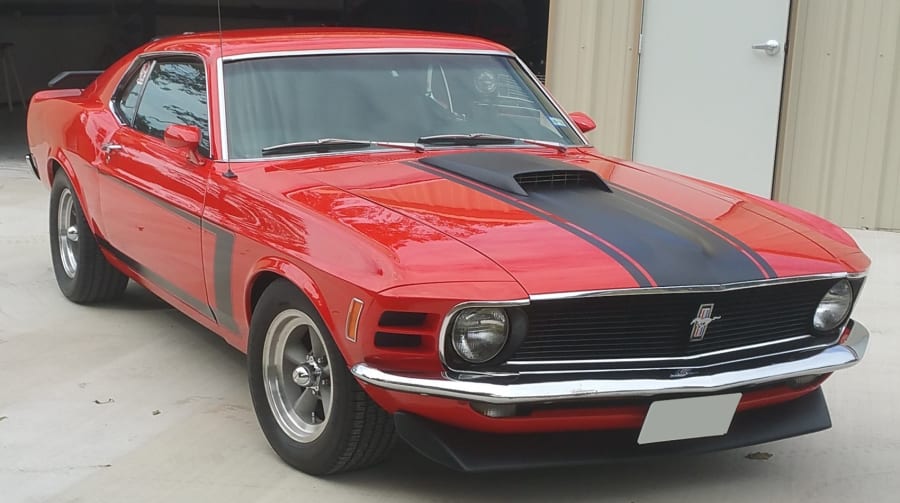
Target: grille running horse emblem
[{"x": 702, "y": 321}]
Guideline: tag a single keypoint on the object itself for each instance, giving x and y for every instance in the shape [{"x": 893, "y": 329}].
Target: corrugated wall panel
[
  {"x": 592, "y": 65},
  {"x": 840, "y": 144}
]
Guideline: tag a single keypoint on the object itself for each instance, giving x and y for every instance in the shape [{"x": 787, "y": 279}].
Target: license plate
[{"x": 702, "y": 416}]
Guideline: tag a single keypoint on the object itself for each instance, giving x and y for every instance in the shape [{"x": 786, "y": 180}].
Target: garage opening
[
  {"x": 46, "y": 37},
  {"x": 41, "y": 38}
]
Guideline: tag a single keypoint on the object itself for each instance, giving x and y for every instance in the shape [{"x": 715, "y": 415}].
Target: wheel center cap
[
  {"x": 304, "y": 375},
  {"x": 72, "y": 234}
]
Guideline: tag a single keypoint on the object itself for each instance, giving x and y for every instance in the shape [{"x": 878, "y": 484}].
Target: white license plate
[{"x": 702, "y": 416}]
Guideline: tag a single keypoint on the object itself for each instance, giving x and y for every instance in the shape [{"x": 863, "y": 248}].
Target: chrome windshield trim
[
  {"x": 634, "y": 385},
  {"x": 371, "y": 50},
  {"x": 668, "y": 359},
  {"x": 220, "y": 69},
  {"x": 223, "y": 128},
  {"x": 556, "y": 105},
  {"x": 692, "y": 288}
]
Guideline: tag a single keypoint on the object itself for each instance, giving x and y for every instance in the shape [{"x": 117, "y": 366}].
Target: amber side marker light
[{"x": 353, "y": 315}]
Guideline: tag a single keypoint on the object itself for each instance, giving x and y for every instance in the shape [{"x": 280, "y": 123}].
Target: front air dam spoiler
[{"x": 476, "y": 452}]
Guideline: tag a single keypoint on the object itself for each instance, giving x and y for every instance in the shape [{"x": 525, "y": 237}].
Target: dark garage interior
[
  {"x": 41, "y": 38},
  {"x": 45, "y": 37}
]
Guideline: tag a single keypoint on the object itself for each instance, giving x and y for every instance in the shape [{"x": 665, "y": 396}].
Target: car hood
[{"x": 581, "y": 222}]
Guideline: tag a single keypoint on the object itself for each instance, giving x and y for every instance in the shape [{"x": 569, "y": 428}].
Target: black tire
[
  {"x": 93, "y": 278},
  {"x": 356, "y": 434}
]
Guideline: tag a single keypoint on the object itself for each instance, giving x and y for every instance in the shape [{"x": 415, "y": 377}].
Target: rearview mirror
[
  {"x": 182, "y": 136},
  {"x": 583, "y": 121}
]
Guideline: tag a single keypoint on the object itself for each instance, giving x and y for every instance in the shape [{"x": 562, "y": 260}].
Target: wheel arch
[
  {"x": 271, "y": 269},
  {"x": 53, "y": 166},
  {"x": 56, "y": 162}
]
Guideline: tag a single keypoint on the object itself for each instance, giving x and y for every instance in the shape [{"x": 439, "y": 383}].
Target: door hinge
[{"x": 640, "y": 43}]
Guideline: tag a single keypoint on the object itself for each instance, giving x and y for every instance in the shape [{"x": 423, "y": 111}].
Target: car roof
[{"x": 241, "y": 42}]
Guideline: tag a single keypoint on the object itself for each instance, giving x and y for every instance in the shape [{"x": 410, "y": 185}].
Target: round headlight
[
  {"x": 833, "y": 308},
  {"x": 479, "y": 334}
]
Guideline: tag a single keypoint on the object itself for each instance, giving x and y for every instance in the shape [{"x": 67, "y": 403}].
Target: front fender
[{"x": 277, "y": 266}]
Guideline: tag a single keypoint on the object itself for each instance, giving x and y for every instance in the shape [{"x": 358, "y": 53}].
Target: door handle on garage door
[{"x": 770, "y": 46}]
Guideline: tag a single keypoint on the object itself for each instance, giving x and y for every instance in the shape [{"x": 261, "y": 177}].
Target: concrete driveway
[{"x": 134, "y": 402}]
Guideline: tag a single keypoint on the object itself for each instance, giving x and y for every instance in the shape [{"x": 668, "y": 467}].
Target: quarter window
[
  {"x": 132, "y": 93},
  {"x": 175, "y": 93}
]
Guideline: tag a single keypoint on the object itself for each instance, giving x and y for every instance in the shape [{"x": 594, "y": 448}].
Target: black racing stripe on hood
[
  {"x": 672, "y": 249},
  {"x": 640, "y": 277},
  {"x": 756, "y": 257}
]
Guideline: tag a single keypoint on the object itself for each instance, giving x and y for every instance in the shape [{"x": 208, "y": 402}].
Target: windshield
[{"x": 383, "y": 98}]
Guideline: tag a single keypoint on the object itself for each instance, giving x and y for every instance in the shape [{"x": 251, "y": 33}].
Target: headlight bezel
[
  {"x": 852, "y": 287},
  {"x": 517, "y": 327},
  {"x": 494, "y": 333}
]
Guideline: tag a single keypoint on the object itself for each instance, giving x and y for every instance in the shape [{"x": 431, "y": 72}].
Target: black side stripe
[
  {"x": 766, "y": 267},
  {"x": 222, "y": 261},
  {"x": 222, "y": 264},
  {"x": 197, "y": 304},
  {"x": 641, "y": 278}
]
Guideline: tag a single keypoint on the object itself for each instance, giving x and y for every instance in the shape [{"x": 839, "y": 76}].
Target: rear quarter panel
[
  {"x": 65, "y": 127},
  {"x": 49, "y": 114}
]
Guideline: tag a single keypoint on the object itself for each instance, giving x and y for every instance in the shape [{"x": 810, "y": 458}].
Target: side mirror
[
  {"x": 181, "y": 136},
  {"x": 185, "y": 137},
  {"x": 583, "y": 121}
]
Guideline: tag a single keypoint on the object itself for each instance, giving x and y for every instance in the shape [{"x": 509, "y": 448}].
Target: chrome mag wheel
[
  {"x": 297, "y": 376},
  {"x": 67, "y": 233}
]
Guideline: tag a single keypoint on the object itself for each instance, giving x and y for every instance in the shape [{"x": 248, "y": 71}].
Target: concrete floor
[{"x": 133, "y": 401}]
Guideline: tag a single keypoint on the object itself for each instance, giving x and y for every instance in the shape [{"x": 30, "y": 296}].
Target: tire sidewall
[
  {"x": 321, "y": 455},
  {"x": 66, "y": 284}
]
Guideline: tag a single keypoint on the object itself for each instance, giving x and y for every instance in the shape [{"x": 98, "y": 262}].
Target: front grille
[{"x": 659, "y": 325}]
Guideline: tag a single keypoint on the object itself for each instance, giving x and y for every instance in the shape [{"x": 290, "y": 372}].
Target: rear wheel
[
  {"x": 82, "y": 272},
  {"x": 311, "y": 409}
]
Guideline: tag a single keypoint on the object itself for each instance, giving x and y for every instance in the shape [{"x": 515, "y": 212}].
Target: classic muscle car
[{"x": 410, "y": 239}]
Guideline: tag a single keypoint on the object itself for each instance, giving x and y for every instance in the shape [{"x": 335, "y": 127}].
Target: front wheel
[
  {"x": 310, "y": 408},
  {"x": 82, "y": 272}
]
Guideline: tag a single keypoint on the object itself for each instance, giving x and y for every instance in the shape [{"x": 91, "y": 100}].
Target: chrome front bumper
[{"x": 471, "y": 388}]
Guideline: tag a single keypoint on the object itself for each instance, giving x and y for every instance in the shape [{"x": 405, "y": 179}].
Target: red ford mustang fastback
[{"x": 409, "y": 238}]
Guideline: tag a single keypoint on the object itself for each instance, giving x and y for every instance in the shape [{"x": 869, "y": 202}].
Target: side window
[
  {"x": 175, "y": 93},
  {"x": 131, "y": 95}
]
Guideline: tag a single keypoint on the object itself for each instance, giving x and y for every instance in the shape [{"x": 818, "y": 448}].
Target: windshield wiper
[
  {"x": 475, "y": 139},
  {"x": 321, "y": 145},
  {"x": 418, "y": 147},
  {"x": 325, "y": 145}
]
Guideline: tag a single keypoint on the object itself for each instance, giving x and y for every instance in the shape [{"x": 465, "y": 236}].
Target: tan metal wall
[
  {"x": 840, "y": 140},
  {"x": 592, "y": 65},
  {"x": 839, "y": 143}
]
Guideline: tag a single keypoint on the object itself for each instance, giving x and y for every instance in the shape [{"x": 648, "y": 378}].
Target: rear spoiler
[{"x": 74, "y": 79}]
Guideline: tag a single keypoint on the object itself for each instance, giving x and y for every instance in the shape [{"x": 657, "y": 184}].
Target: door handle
[
  {"x": 106, "y": 148},
  {"x": 771, "y": 47}
]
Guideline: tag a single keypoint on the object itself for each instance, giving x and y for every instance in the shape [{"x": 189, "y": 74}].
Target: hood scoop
[{"x": 519, "y": 174}]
